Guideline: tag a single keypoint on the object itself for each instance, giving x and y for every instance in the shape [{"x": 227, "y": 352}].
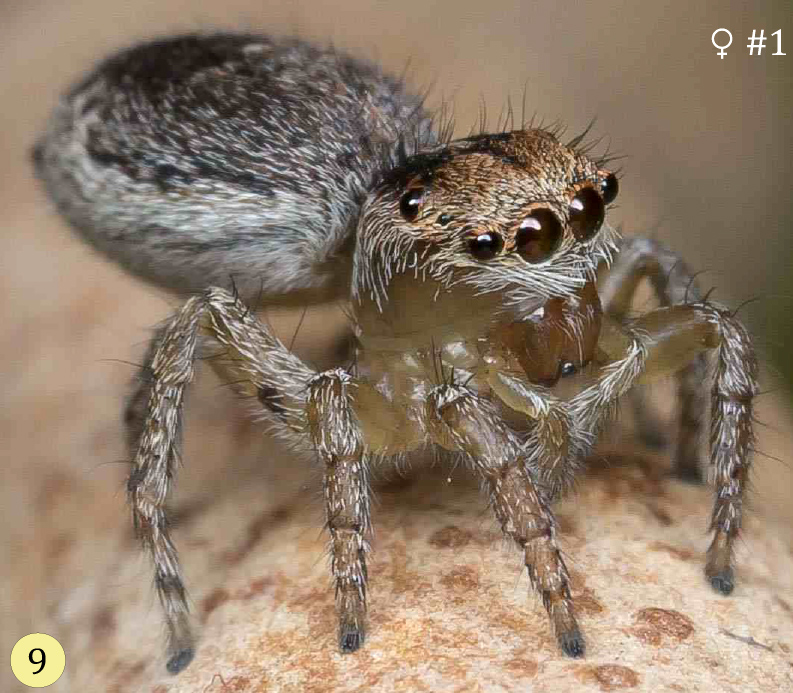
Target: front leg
[
  {"x": 662, "y": 342},
  {"x": 459, "y": 420},
  {"x": 338, "y": 438}
]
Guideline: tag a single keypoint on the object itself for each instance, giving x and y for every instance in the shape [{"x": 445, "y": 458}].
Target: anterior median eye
[
  {"x": 486, "y": 245},
  {"x": 539, "y": 235},
  {"x": 410, "y": 204},
  {"x": 587, "y": 212}
]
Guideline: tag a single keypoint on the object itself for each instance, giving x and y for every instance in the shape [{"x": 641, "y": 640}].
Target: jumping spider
[{"x": 301, "y": 175}]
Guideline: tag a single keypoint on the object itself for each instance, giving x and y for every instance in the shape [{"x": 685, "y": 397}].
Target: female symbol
[{"x": 722, "y": 52}]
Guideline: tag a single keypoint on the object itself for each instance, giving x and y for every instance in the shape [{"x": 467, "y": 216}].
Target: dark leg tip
[
  {"x": 180, "y": 660},
  {"x": 572, "y": 644},
  {"x": 350, "y": 641},
  {"x": 723, "y": 582}
]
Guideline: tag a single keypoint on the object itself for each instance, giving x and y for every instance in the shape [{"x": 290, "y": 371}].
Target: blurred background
[{"x": 707, "y": 168}]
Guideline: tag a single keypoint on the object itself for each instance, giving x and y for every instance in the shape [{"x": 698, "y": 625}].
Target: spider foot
[
  {"x": 351, "y": 639},
  {"x": 572, "y": 643},
  {"x": 723, "y": 582},
  {"x": 179, "y": 661}
]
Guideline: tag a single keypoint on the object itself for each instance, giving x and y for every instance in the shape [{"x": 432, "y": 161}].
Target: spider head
[{"x": 517, "y": 215}]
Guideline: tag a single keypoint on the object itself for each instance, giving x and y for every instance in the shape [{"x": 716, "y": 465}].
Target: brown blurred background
[{"x": 708, "y": 168}]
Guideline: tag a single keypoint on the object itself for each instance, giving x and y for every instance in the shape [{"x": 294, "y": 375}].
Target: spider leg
[
  {"x": 261, "y": 364},
  {"x": 673, "y": 284},
  {"x": 659, "y": 343},
  {"x": 338, "y": 438},
  {"x": 253, "y": 367},
  {"x": 458, "y": 419},
  {"x": 138, "y": 400}
]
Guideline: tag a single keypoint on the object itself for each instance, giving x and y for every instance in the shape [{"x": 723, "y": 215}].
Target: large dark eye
[
  {"x": 587, "y": 212},
  {"x": 609, "y": 187},
  {"x": 539, "y": 235},
  {"x": 410, "y": 204},
  {"x": 486, "y": 245}
]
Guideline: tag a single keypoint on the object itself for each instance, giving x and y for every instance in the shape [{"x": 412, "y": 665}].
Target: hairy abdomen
[{"x": 212, "y": 160}]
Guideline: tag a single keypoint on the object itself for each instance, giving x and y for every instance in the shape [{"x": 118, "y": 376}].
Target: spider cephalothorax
[
  {"x": 204, "y": 163},
  {"x": 486, "y": 243}
]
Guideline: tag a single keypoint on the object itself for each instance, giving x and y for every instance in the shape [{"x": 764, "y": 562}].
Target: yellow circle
[{"x": 38, "y": 660}]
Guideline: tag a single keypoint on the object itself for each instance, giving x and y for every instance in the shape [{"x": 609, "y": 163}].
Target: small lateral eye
[
  {"x": 566, "y": 369},
  {"x": 410, "y": 203},
  {"x": 587, "y": 212},
  {"x": 609, "y": 187},
  {"x": 443, "y": 219},
  {"x": 539, "y": 235},
  {"x": 486, "y": 245}
]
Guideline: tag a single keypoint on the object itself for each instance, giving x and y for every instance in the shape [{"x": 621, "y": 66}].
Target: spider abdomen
[{"x": 205, "y": 160}]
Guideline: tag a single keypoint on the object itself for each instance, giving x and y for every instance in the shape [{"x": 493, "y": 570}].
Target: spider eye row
[{"x": 540, "y": 233}]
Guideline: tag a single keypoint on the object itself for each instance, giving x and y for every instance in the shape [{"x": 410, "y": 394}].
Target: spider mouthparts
[{"x": 180, "y": 660}]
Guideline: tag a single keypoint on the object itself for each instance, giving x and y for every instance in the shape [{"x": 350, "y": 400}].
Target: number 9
[{"x": 41, "y": 661}]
